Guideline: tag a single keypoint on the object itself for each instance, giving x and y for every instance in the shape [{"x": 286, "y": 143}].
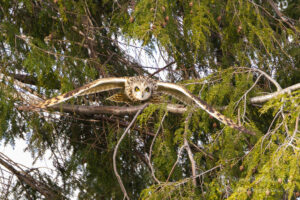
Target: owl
[{"x": 140, "y": 89}]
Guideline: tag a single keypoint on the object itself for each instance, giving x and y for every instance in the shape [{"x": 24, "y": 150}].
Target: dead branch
[
  {"x": 264, "y": 98},
  {"x": 29, "y": 180},
  {"x": 163, "y": 68},
  {"x": 97, "y": 117},
  {"x": 187, "y": 147},
  {"x": 90, "y": 110}
]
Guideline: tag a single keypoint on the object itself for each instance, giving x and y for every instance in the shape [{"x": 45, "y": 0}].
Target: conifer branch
[
  {"x": 293, "y": 137},
  {"x": 121, "y": 123}
]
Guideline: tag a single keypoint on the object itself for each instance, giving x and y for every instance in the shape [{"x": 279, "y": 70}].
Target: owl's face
[
  {"x": 139, "y": 88},
  {"x": 141, "y": 91}
]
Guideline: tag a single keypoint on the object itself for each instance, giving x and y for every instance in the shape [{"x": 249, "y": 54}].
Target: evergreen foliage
[{"x": 222, "y": 51}]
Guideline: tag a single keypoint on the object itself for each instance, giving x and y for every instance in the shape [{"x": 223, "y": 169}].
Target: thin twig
[
  {"x": 178, "y": 157},
  {"x": 151, "y": 147},
  {"x": 198, "y": 175},
  {"x": 116, "y": 150},
  {"x": 295, "y": 131},
  {"x": 266, "y": 75},
  {"x": 26, "y": 178},
  {"x": 245, "y": 94},
  {"x": 202, "y": 151},
  {"x": 163, "y": 68}
]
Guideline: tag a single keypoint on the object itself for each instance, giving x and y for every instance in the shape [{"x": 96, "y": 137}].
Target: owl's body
[{"x": 142, "y": 89}]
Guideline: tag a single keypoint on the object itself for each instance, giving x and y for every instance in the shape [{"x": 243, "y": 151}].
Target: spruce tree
[{"x": 242, "y": 57}]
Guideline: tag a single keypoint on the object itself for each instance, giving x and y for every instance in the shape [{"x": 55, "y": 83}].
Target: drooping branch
[
  {"x": 281, "y": 16},
  {"x": 267, "y": 76}
]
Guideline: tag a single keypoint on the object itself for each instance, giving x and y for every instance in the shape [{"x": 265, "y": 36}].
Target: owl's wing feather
[
  {"x": 99, "y": 85},
  {"x": 185, "y": 96}
]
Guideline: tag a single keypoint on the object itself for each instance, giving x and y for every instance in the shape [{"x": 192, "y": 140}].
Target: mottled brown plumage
[{"x": 142, "y": 89}]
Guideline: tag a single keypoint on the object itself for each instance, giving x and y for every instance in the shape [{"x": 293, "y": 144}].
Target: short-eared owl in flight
[{"x": 142, "y": 89}]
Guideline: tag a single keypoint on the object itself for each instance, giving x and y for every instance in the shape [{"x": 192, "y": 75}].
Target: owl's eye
[
  {"x": 137, "y": 89},
  {"x": 147, "y": 89}
]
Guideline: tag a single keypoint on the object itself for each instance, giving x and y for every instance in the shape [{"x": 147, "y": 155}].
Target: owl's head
[{"x": 139, "y": 88}]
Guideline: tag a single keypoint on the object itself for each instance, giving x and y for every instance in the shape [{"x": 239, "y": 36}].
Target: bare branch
[
  {"x": 116, "y": 150},
  {"x": 151, "y": 146},
  {"x": 163, "y": 68},
  {"x": 264, "y": 98},
  {"x": 187, "y": 147},
  {"x": 29, "y": 180},
  {"x": 245, "y": 94},
  {"x": 115, "y": 110}
]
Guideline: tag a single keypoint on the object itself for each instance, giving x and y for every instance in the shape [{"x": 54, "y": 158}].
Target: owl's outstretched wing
[
  {"x": 185, "y": 96},
  {"x": 99, "y": 85}
]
